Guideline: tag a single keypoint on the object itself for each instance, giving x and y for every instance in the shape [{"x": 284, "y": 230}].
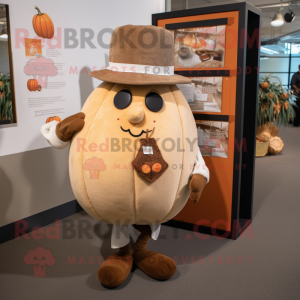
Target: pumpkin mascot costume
[{"x": 134, "y": 158}]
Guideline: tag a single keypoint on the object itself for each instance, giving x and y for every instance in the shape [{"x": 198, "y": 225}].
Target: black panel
[
  {"x": 250, "y": 117},
  {"x": 203, "y": 23},
  {"x": 203, "y": 11},
  {"x": 204, "y": 73},
  {"x": 217, "y": 118},
  {"x": 239, "y": 117},
  {"x": 194, "y": 12},
  {"x": 7, "y": 232},
  {"x": 200, "y": 228},
  {"x": 243, "y": 225}
]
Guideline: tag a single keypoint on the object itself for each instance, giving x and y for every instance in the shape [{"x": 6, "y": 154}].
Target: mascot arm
[
  {"x": 200, "y": 177},
  {"x": 60, "y": 134}
]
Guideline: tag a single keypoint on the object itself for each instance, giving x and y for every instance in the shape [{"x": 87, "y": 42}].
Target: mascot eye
[
  {"x": 154, "y": 102},
  {"x": 122, "y": 99}
]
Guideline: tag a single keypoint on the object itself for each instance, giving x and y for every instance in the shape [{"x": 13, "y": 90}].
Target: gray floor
[{"x": 273, "y": 271}]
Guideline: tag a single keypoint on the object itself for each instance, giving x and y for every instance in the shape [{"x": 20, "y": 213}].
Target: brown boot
[
  {"x": 115, "y": 270},
  {"x": 155, "y": 265}
]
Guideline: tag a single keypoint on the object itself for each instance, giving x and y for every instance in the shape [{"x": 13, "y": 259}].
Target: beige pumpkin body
[{"x": 118, "y": 194}]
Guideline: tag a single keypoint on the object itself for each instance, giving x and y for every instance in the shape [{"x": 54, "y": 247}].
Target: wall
[
  {"x": 33, "y": 176},
  {"x": 33, "y": 181}
]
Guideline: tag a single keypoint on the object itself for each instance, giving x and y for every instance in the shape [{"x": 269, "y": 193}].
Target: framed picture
[
  {"x": 7, "y": 97},
  {"x": 202, "y": 47},
  {"x": 204, "y": 94},
  {"x": 213, "y": 138}
]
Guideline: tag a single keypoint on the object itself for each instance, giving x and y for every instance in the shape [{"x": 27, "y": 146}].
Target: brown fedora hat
[{"x": 141, "y": 55}]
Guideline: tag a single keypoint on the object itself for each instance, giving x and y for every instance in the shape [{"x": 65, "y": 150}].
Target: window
[{"x": 282, "y": 60}]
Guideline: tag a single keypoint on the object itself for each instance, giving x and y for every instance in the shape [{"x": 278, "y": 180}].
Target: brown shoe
[
  {"x": 155, "y": 265},
  {"x": 115, "y": 270}
]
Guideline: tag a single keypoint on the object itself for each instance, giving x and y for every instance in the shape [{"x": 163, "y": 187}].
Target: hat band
[{"x": 142, "y": 69}]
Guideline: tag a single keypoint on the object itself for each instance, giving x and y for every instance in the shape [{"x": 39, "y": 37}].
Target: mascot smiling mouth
[{"x": 134, "y": 135}]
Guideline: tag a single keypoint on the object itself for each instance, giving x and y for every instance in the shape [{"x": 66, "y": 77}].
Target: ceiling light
[
  {"x": 277, "y": 20},
  {"x": 289, "y": 17}
]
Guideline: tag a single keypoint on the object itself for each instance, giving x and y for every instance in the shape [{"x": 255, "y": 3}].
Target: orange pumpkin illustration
[
  {"x": 43, "y": 25},
  {"x": 55, "y": 118},
  {"x": 32, "y": 85}
]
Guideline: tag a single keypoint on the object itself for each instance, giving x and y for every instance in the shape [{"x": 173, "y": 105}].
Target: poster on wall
[
  {"x": 42, "y": 81},
  {"x": 204, "y": 94},
  {"x": 41, "y": 70},
  {"x": 52, "y": 56},
  {"x": 213, "y": 138},
  {"x": 200, "y": 47}
]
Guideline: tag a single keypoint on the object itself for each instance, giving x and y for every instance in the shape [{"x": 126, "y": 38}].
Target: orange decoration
[
  {"x": 279, "y": 107},
  {"x": 39, "y": 88},
  {"x": 156, "y": 167},
  {"x": 286, "y": 105},
  {"x": 271, "y": 95},
  {"x": 55, "y": 118},
  {"x": 146, "y": 169},
  {"x": 43, "y": 25},
  {"x": 264, "y": 85},
  {"x": 265, "y": 107},
  {"x": 284, "y": 95},
  {"x": 32, "y": 85}
]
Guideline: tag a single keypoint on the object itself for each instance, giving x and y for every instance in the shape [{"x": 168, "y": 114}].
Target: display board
[{"x": 212, "y": 48}]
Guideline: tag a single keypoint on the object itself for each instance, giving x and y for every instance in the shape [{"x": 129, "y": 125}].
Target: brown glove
[
  {"x": 66, "y": 128},
  {"x": 197, "y": 185}
]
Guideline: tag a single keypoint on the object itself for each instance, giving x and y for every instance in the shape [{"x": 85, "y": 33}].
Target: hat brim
[{"x": 137, "y": 78}]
